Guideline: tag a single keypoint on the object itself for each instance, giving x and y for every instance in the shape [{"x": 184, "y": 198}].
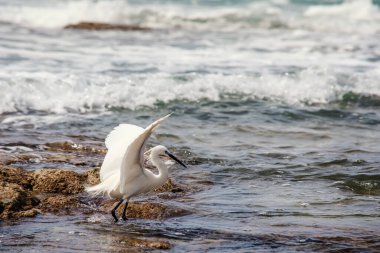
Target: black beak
[{"x": 175, "y": 158}]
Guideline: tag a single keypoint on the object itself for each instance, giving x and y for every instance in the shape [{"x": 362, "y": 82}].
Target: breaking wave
[
  {"x": 60, "y": 93},
  {"x": 355, "y": 15}
]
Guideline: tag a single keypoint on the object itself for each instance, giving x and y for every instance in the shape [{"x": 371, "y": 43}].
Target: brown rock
[
  {"x": 71, "y": 146},
  {"x": 151, "y": 211},
  {"x": 150, "y": 244},
  {"x": 92, "y": 177},
  {"x": 62, "y": 146},
  {"x": 105, "y": 26},
  {"x": 17, "y": 176},
  {"x": 60, "y": 158},
  {"x": 28, "y": 213},
  {"x": 14, "y": 198},
  {"x": 169, "y": 186},
  {"x": 6, "y": 159},
  {"x": 59, "y": 204},
  {"x": 57, "y": 181}
]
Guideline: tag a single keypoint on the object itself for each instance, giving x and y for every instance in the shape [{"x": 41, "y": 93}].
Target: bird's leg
[
  {"x": 124, "y": 210},
  {"x": 113, "y": 212}
]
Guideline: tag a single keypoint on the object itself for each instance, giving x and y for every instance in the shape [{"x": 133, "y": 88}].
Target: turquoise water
[{"x": 275, "y": 109}]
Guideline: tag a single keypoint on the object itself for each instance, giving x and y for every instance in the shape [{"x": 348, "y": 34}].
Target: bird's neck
[{"x": 163, "y": 172}]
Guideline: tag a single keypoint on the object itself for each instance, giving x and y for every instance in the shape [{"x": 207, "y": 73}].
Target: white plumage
[{"x": 122, "y": 174}]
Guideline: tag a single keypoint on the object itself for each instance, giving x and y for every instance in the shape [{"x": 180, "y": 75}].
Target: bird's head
[{"x": 162, "y": 151}]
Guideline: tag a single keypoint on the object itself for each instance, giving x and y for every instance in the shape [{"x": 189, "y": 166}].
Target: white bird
[{"x": 122, "y": 174}]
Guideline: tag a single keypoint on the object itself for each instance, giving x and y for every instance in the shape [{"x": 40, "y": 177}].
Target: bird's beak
[{"x": 175, "y": 158}]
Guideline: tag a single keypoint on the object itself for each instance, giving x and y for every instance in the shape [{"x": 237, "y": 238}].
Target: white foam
[
  {"x": 354, "y": 10},
  {"x": 360, "y": 16},
  {"x": 96, "y": 218},
  {"x": 60, "y": 93},
  {"x": 350, "y": 16}
]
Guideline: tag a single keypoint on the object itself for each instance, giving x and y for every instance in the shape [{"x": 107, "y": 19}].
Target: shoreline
[{"x": 60, "y": 192}]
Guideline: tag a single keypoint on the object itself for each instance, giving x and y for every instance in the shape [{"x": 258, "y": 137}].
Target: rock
[
  {"x": 12, "y": 196},
  {"x": 15, "y": 198},
  {"x": 169, "y": 186},
  {"x": 105, "y": 26},
  {"x": 150, "y": 244},
  {"x": 154, "y": 211},
  {"x": 60, "y": 195},
  {"x": 57, "y": 181},
  {"x": 59, "y": 204},
  {"x": 28, "y": 213},
  {"x": 62, "y": 146},
  {"x": 151, "y": 211},
  {"x": 92, "y": 177},
  {"x": 7, "y": 158},
  {"x": 71, "y": 146},
  {"x": 17, "y": 176}
]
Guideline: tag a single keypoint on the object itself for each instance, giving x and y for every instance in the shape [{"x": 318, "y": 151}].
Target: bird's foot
[
  {"x": 124, "y": 218},
  {"x": 115, "y": 217}
]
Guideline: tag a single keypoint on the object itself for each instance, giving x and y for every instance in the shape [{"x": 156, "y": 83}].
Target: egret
[{"x": 122, "y": 174}]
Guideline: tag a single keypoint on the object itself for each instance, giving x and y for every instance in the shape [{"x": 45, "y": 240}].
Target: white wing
[
  {"x": 133, "y": 161},
  {"x": 117, "y": 143}
]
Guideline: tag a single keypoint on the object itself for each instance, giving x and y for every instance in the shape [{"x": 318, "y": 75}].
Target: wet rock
[
  {"x": 57, "y": 181},
  {"x": 59, "y": 204},
  {"x": 28, "y": 213},
  {"x": 150, "y": 211},
  {"x": 7, "y": 158},
  {"x": 154, "y": 211},
  {"x": 62, "y": 146},
  {"x": 69, "y": 146},
  {"x": 17, "y": 176},
  {"x": 71, "y": 158},
  {"x": 59, "y": 158},
  {"x": 92, "y": 177},
  {"x": 169, "y": 186},
  {"x": 105, "y": 26},
  {"x": 15, "y": 198},
  {"x": 12, "y": 196},
  {"x": 148, "y": 244},
  {"x": 59, "y": 194}
]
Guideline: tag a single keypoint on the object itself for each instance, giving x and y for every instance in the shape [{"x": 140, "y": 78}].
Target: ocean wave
[
  {"x": 360, "y": 16},
  {"x": 25, "y": 92}
]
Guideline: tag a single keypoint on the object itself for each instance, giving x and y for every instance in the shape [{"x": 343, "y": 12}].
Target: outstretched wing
[
  {"x": 133, "y": 161},
  {"x": 117, "y": 143}
]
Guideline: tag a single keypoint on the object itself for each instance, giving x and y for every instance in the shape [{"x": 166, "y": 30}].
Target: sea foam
[
  {"x": 360, "y": 16},
  {"x": 62, "y": 93}
]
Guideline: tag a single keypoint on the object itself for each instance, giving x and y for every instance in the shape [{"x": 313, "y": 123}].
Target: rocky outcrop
[
  {"x": 17, "y": 176},
  {"x": 91, "y": 177},
  {"x": 25, "y": 194},
  {"x": 59, "y": 204},
  {"x": 105, "y": 26},
  {"x": 135, "y": 242},
  {"x": 143, "y": 210},
  {"x": 57, "y": 181},
  {"x": 16, "y": 202}
]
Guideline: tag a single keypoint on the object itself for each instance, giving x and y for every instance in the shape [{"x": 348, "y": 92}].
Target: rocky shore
[
  {"x": 26, "y": 192},
  {"x": 58, "y": 191}
]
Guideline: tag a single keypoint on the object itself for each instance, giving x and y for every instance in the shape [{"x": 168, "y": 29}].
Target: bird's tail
[{"x": 104, "y": 188}]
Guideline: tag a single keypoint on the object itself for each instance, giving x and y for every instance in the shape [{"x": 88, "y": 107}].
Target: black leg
[
  {"x": 124, "y": 210},
  {"x": 113, "y": 212}
]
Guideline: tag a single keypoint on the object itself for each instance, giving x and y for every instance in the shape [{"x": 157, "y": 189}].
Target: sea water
[{"x": 276, "y": 105}]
